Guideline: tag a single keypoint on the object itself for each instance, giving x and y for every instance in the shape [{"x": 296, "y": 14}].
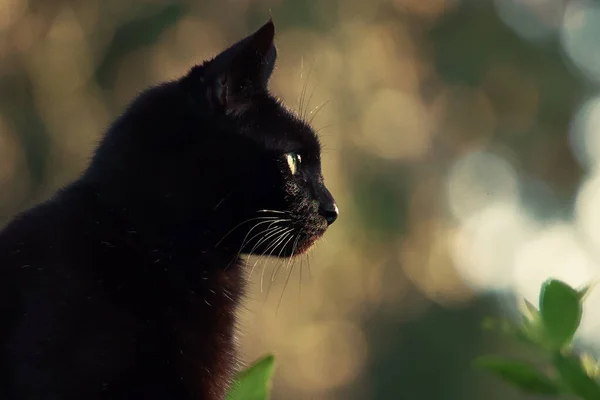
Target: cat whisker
[
  {"x": 276, "y": 270},
  {"x": 303, "y": 93},
  {"x": 222, "y": 200},
  {"x": 308, "y": 267},
  {"x": 283, "y": 244},
  {"x": 301, "y": 74},
  {"x": 315, "y": 111},
  {"x": 240, "y": 224},
  {"x": 302, "y": 263},
  {"x": 273, "y": 245},
  {"x": 267, "y": 231},
  {"x": 321, "y": 128},
  {"x": 244, "y": 242},
  {"x": 310, "y": 98},
  {"x": 279, "y": 241},
  {"x": 300, "y": 95},
  {"x": 252, "y": 269},
  {"x": 266, "y": 236},
  {"x": 278, "y": 231},
  {"x": 289, "y": 266},
  {"x": 281, "y": 259},
  {"x": 274, "y": 211},
  {"x": 300, "y": 282}
]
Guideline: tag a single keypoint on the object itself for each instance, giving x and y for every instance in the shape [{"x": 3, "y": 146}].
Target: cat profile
[{"x": 125, "y": 284}]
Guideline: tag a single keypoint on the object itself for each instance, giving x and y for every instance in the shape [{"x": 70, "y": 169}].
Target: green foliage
[
  {"x": 576, "y": 378},
  {"x": 253, "y": 383},
  {"x": 523, "y": 375},
  {"x": 560, "y": 310},
  {"x": 551, "y": 331}
]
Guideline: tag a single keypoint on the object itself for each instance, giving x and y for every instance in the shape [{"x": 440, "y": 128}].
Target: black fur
[{"x": 125, "y": 284}]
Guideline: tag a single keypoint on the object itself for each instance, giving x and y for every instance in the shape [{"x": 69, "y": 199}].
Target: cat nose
[{"x": 330, "y": 211}]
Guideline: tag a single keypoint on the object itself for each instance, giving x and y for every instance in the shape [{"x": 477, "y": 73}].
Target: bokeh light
[
  {"x": 478, "y": 180},
  {"x": 580, "y": 32},
  {"x": 486, "y": 245},
  {"x": 535, "y": 20},
  {"x": 587, "y": 211},
  {"x": 584, "y": 138},
  {"x": 554, "y": 251}
]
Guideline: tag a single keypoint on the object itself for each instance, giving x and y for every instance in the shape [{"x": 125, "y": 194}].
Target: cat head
[{"x": 217, "y": 156}]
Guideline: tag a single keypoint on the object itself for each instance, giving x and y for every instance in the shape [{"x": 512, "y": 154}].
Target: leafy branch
[{"x": 550, "y": 328}]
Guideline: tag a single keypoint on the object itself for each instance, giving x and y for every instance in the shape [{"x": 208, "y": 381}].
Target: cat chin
[
  {"x": 314, "y": 234},
  {"x": 307, "y": 245},
  {"x": 301, "y": 248}
]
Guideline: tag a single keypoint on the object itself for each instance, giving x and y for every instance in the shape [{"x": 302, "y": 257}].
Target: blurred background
[{"x": 462, "y": 143}]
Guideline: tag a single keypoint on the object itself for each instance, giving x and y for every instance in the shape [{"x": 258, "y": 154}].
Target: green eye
[{"x": 293, "y": 161}]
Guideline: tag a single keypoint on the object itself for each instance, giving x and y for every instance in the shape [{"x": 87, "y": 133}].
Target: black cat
[{"x": 125, "y": 284}]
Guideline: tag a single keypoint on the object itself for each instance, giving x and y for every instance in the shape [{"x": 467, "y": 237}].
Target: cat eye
[{"x": 293, "y": 161}]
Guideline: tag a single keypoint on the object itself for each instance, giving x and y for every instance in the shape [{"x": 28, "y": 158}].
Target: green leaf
[
  {"x": 560, "y": 310},
  {"x": 575, "y": 377},
  {"x": 589, "y": 364},
  {"x": 584, "y": 291},
  {"x": 529, "y": 311},
  {"x": 520, "y": 374},
  {"x": 253, "y": 383},
  {"x": 527, "y": 333},
  {"x": 530, "y": 333}
]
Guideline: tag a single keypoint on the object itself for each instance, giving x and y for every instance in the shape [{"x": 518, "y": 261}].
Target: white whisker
[
  {"x": 289, "y": 266},
  {"x": 284, "y": 243},
  {"x": 267, "y": 235},
  {"x": 240, "y": 224},
  {"x": 281, "y": 236},
  {"x": 244, "y": 242}
]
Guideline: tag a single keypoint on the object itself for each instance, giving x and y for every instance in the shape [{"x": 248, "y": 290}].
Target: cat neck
[{"x": 143, "y": 224}]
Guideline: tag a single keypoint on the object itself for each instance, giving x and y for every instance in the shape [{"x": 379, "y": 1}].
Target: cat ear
[{"x": 243, "y": 69}]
